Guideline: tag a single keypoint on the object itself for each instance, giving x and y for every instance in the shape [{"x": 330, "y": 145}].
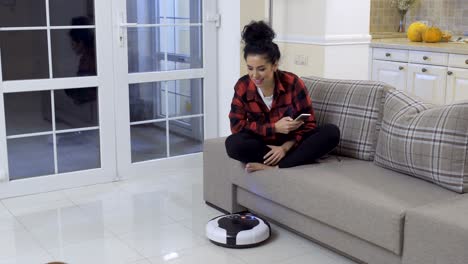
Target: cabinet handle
[
  {"x": 449, "y": 73},
  {"x": 466, "y": 62},
  {"x": 401, "y": 68},
  {"x": 424, "y": 70},
  {"x": 425, "y": 57},
  {"x": 388, "y": 54}
]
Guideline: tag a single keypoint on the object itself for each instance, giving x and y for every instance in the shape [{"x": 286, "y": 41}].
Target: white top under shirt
[{"x": 268, "y": 100}]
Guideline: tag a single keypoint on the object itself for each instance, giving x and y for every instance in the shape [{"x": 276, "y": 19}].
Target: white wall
[
  {"x": 234, "y": 15},
  {"x": 348, "y": 23},
  {"x": 315, "y": 55},
  {"x": 344, "y": 17},
  {"x": 228, "y": 60},
  {"x": 346, "y": 62},
  {"x": 298, "y": 17},
  {"x": 250, "y": 10},
  {"x": 332, "y": 34}
]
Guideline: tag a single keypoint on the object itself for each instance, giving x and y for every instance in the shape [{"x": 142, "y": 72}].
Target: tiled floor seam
[
  {"x": 31, "y": 235},
  {"x": 114, "y": 235}
]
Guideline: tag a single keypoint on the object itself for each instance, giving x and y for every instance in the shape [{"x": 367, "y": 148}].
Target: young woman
[{"x": 266, "y": 102}]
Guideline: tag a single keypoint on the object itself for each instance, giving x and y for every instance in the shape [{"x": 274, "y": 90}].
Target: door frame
[
  {"x": 112, "y": 82},
  {"x": 208, "y": 73},
  {"x": 105, "y": 83}
]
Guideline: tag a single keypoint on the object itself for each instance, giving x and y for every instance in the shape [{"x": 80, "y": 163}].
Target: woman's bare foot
[{"x": 255, "y": 166}]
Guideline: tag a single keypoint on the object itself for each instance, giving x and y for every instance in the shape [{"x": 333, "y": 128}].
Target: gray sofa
[{"x": 365, "y": 212}]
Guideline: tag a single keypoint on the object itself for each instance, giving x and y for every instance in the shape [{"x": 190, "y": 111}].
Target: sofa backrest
[{"x": 356, "y": 107}]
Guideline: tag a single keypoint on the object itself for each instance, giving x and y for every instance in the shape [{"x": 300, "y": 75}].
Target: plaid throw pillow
[
  {"x": 355, "y": 107},
  {"x": 426, "y": 141}
]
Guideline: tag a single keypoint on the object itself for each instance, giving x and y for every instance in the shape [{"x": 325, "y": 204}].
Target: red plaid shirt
[{"x": 290, "y": 98}]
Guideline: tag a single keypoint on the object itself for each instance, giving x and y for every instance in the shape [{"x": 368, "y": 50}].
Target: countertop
[
  {"x": 382, "y": 35},
  {"x": 404, "y": 43}
]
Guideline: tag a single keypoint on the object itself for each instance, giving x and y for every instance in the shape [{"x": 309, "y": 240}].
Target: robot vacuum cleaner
[{"x": 240, "y": 230}]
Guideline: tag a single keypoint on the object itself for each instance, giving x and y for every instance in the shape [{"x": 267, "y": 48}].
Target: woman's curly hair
[{"x": 258, "y": 39}]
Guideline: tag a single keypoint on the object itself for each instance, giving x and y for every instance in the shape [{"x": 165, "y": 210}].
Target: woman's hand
[
  {"x": 286, "y": 125},
  {"x": 274, "y": 156}
]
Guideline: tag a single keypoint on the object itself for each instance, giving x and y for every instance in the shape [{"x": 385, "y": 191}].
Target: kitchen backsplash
[{"x": 446, "y": 14}]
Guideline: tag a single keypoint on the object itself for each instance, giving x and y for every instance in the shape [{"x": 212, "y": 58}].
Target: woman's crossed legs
[{"x": 251, "y": 149}]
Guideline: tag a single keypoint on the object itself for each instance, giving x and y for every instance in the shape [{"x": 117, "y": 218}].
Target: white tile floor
[{"x": 139, "y": 221}]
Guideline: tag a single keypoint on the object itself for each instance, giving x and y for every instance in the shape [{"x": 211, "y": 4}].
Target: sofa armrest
[
  {"x": 218, "y": 189},
  {"x": 437, "y": 233}
]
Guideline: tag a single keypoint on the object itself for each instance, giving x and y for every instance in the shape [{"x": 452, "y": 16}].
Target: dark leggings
[{"x": 247, "y": 147}]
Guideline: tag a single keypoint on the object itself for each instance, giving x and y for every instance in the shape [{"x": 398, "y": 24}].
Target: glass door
[
  {"x": 166, "y": 79},
  {"x": 56, "y": 95},
  {"x": 94, "y": 91}
]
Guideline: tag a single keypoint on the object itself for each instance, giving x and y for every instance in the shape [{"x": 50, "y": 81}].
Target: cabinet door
[
  {"x": 427, "y": 82},
  {"x": 392, "y": 73},
  {"x": 457, "y": 85}
]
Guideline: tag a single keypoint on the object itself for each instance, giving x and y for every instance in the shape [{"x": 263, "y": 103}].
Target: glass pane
[
  {"x": 28, "y": 112},
  {"x": 144, "y": 11},
  {"x": 76, "y": 12},
  {"x": 183, "y": 11},
  {"x": 145, "y": 50},
  {"x": 185, "y": 97},
  {"x": 22, "y": 13},
  {"x": 186, "y": 136},
  {"x": 148, "y": 141},
  {"x": 30, "y": 157},
  {"x": 184, "y": 47},
  {"x": 73, "y": 52},
  {"x": 24, "y": 54},
  {"x": 146, "y": 101},
  {"x": 152, "y": 12},
  {"x": 78, "y": 151},
  {"x": 76, "y": 108}
]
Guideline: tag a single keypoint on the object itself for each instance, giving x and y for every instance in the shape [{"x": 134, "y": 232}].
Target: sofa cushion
[
  {"x": 353, "y": 196},
  {"x": 426, "y": 141},
  {"x": 443, "y": 227},
  {"x": 355, "y": 107}
]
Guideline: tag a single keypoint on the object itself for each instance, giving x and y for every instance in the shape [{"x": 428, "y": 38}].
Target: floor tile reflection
[{"x": 143, "y": 220}]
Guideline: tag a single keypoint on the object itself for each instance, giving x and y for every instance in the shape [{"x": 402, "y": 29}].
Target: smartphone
[{"x": 302, "y": 117}]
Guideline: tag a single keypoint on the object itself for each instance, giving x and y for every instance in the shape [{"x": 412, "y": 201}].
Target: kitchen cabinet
[
  {"x": 427, "y": 82},
  {"x": 457, "y": 85},
  {"x": 393, "y": 73},
  {"x": 436, "y": 77}
]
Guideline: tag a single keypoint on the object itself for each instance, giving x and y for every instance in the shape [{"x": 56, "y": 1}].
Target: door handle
[
  {"x": 214, "y": 18},
  {"x": 123, "y": 29}
]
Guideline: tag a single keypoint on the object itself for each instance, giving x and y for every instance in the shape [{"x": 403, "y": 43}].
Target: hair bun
[{"x": 257, "y": 32}]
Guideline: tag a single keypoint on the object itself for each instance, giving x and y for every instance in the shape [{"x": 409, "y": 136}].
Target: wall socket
[{"x": 301, "y": 60}]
